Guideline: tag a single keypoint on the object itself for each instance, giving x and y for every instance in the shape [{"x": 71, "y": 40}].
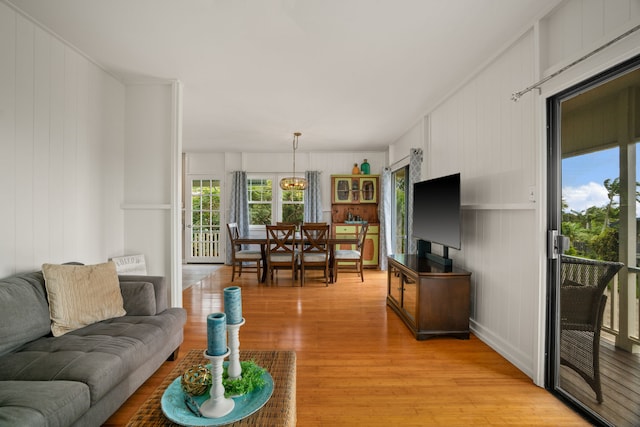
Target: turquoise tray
[{"x": 174, "y": 407}]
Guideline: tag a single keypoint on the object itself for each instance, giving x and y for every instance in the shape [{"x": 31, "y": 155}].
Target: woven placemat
[{"x": 280, "y": 410}]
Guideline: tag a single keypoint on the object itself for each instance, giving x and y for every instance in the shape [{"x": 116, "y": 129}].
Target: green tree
[
  {"x": 260, "y": 214},
  {"x": 594, "y": 231},
  {"x": 605, "y": 245},
  {"x": 613, "y": 190},
  {"x": 205, "y": 205},
  {"x": 292, "y": 213}
]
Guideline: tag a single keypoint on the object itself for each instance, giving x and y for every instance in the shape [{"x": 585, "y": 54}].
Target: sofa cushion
[
  {"x": 17, "y": 325},
  {"x": 80, "y": 295},
  {"x": 160, "y": 289},
  {"x": 139, "y": 298},
  {"x": 42, "y": 403},
  {"x": 100, "y": 355}
]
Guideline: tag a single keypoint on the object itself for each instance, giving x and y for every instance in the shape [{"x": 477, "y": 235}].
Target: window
[
  {"x": 260, "y": 201},
  {"x": 292, "y": 205},
  {"x": 269, "y": 204}
]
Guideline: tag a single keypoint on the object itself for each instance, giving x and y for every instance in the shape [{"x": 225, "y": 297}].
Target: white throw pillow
[{"x": 80, "y": 295}]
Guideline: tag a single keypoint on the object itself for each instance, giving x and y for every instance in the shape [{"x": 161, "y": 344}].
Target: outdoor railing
[
  {"x": 611, "y": 318},
  {"x": 205, "y": 243}
]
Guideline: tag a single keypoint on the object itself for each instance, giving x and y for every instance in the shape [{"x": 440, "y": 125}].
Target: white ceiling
[{"x": 351, "y": 75}]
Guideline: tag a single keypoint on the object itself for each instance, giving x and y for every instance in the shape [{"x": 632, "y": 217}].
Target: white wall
[
  {"x": 412, "y": 138},
  {"x": 499, "y": 148},
  {"x": 61, "y": 151},
  {"x": 147, "y": 174},
  {"x": 491, "y": 141},
  {"x": 152, "y": 179},
  {"x": 220, "y": 165},
  {"x": 88, "y": 165},
  {"x": 281, "y": 163}
]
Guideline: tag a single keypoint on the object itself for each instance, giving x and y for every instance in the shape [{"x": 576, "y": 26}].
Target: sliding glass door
[{"x": 593, "y": 282}]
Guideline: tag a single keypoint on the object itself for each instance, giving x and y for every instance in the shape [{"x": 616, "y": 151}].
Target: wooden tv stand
[{"x": 430, "y": 300}]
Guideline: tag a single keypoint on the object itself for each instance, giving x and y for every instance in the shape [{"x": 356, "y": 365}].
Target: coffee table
[{"x": 280, "y": 409}]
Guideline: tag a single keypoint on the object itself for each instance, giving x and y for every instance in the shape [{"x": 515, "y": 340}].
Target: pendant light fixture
[{"x": 293, "y": 182}]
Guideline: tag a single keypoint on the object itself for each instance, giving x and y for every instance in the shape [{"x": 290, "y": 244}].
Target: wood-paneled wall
[
  {"x": 221, "y": 164},
  {"x": 61, "y": 148},
  {"x": 499, "y": 146}
]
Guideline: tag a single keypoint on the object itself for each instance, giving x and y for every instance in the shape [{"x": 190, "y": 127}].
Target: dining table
[{"x": 333, "y": 240}]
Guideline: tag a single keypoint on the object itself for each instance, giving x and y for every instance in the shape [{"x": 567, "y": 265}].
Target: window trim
[{"x": 277, "y": 193}]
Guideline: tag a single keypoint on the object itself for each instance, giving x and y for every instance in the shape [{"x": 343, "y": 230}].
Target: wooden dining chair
[
  {"x": 240, "y": 256},
  {"x": 315, "y": 250},
  {"x": 296, "y": 224},
  {"x": 351, "y": 259},
  {"x": 281, "y": 250}
]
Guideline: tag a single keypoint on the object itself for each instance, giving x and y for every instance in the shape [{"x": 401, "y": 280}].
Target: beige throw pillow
[{"x": 80, "y": 295}]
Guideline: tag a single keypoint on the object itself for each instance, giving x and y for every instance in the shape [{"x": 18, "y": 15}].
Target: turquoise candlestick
[
  {"x": 216, "y": 334},
  {"x": 233, "y": 304}
]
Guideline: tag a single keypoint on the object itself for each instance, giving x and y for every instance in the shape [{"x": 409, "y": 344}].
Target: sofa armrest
[{"x": 135, "y": 292}]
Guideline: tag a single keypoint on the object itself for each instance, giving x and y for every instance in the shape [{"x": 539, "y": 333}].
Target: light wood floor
[{"x": 358, "y": 365}]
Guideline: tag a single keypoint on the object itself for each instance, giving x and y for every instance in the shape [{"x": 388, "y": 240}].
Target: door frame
[
  {"x": 554, "y": 222},
  {"x": 394, "y": 236}
]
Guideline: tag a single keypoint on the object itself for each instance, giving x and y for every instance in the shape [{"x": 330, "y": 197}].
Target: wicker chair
[{"x": 582, "y": 303}]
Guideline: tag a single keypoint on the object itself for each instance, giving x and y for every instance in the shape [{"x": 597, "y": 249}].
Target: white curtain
[
  {"x": 384, "y": 213},
  {"x": 238, "y": 207},
  {"x": 415, "y": 175},
  {"x": 312, "y": 198}
]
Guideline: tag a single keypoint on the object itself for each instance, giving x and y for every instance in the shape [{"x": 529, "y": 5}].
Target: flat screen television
[{"x": 436, "y": 211}]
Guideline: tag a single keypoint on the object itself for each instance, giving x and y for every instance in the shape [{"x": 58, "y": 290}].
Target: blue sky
[{"x": 583, "y": 177}]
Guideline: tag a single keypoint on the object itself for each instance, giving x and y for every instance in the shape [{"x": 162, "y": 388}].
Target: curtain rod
[{"x": 516, "y": 96}]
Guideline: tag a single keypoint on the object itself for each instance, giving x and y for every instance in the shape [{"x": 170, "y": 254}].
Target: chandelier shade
[{"x": 294, "y": 182}]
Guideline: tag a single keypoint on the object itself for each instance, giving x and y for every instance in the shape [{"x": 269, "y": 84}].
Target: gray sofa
[{"x": 80, "y": 378}]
